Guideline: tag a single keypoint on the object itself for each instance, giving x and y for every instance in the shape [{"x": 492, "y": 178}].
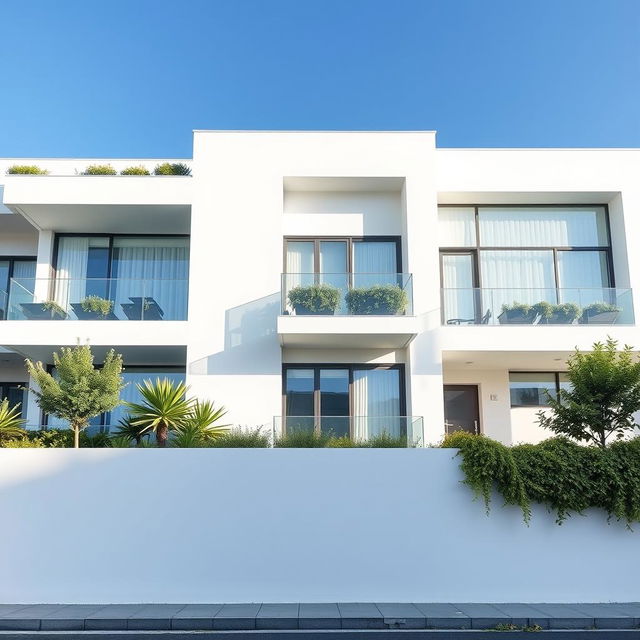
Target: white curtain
[
  {"x": 376, "y": 403},
  {"x": 458, "y": 292},
  {"x": 374, "y": 263},
  {"x": 516, "y": 276},
  {"x": 300, "y": 266},
  {"x": 71, "y": 270},
  {"x": 152, "y": 268},
  {"x": 456, "y": 227},
  {"x": 542, "y": 227},
  {"x": 333, "y": 268}
]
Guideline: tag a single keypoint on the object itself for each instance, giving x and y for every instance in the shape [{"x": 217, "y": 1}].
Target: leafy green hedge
[
  {"x": 26, "y": 169},
  {"x": 99, "y": 170},
  {"x": 315, "y": 298},
  {"x": 566, "y": 477},
  {"x": 382, "y": 299},
  {"x": 172, "y": 169}
]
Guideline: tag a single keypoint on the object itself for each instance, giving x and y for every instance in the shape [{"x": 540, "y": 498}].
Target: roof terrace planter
[
  {"x": 380, "y": 300},
  {"x": 600, "y": 313},
  {"x": 43, "y": 311},
  {"x": 315, "y": 300}
]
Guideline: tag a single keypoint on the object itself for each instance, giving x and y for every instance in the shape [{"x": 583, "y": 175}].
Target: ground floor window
[
  {"x": 533, "y": 389},
  {"x": 133, "y": 375},
  {"x": 358, "y": 401},
  {"x": 15, "y": 393}
]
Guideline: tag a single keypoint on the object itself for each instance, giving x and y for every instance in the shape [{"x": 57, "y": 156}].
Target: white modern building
[{"x": 352, "y": 282}]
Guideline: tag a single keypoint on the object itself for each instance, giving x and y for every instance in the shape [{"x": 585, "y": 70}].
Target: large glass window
[
  {"x": 143, "y": 276},
  {"x": 132, "y": 376},
  {"x": 19, "y": 272},
  {"x": 356, "y": 401},
  {"x": 533, "y": 389}
]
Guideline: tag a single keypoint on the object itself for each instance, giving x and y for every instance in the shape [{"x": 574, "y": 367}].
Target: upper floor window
[
  {"x": 516, "y": 256},
  {"x": 139, "y": 274}
]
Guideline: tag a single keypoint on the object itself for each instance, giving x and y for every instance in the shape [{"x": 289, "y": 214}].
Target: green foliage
[
  {"x": 565, "y": 476},
  {"x": 517, "y": 308},
  {"x": 128, "y": 430},
  {"x": 543, "y": 309},
  {"x": 55, "y": 308},
  {"x": 164, "y": 408},
  {"x": 99, "y": 170},
  {"x": 306, "y": 439},
  {"x": 604, "y": 395},
  {"x": 172, "y": 169},
  {"x": 135, "y": 171},
  {"x": 382, "y": 299},
  {"x": 595, "y": 309},
  {"x": 566, "y": 312},
  {"x": 386, "y": 441},
  {"x": 52, "y": 438},
  {"x": 96, "y": 304},
  {"x": 316, "y": 298},
  {"x": 80, "y": 391},
  {"x": 120, "y": 442},
  {"x": 241, "y": 439},
  {"x": 11, "y": 422},
  {"x": 24, "y": 443},
  {"x": 26, "y": 169},
  {"x": 302, "y": 439},
  {"x": 488, "y": 464},
  {"x": 204, "y": 417}
]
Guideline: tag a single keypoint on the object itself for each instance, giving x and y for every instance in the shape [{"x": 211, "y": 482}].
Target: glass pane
[
  {"x": 583, "y": 275},
  {"x": 16, "y": 396},
  {"x": 531, "y": 389},
  {"x": 376, "y": 403},
  {"x": 334, "y": 401},
  {"x": 564, "y": 382},
  {"x": 4, "y": 288},
  {"x": 509, "y": 277},
  {"x": 456, "y": 227},
  {"x": 371, "y": 261},
  {"x": 299, "y": 399},
  {"x": 543, "y": 227},
  {"x": 333, "y": 266},
  {"x": 300, "y": 264},
  {"x": 457, "y": 280}
]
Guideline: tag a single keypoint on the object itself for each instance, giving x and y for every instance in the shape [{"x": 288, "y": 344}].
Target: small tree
[
  {"x": 604, "y": 395},
  {"x": 79, "y": 391}
]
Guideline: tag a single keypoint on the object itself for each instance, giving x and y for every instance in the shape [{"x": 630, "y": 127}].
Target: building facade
[{"x": 356, "y": 283}]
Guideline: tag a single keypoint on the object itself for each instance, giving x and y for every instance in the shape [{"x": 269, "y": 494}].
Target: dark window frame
[
  {"x": 350, "y": 240},
  {"x": 24, "y": 385},
  {"x": 351, "y": 367},
  {"x": 556, "y": 375}
]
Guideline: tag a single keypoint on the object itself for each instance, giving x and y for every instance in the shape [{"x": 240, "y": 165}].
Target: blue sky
[{"x": 135, "y": 77}]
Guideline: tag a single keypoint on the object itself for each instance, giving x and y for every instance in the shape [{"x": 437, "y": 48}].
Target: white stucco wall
[{"x": 107, "y": 525}]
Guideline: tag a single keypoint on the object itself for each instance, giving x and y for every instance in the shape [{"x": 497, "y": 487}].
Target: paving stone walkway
[{"x": 296, "y": 616}]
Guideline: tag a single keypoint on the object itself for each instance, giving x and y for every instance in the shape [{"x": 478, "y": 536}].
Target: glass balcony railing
[
  {"x": 537, "y": 306},
  {"x": 347, "y": 294},
  {"x": 408, "y": 430},
  {"x": 4, "y": 299},
  {"x": 97, "y": 299}
]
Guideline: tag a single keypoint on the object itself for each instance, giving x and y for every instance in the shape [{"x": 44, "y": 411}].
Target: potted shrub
[
  {"x": 26, "y": 169},
  {"x": 99, "y": 170},
  {"x": 566, "y": 313},
  {"x": 94, "y": 308},
  {"x": 315, "y": 300},
  {"x": 381, "y": 300},
  {"x": 172, "y": 169},
  {"x": 49, "y": 310},
  {"x": 542, "y": 311},
  {"x": 135, "y": 171},
  {"x": 599, "y": 313},
  {"x": 516, "y": 313}
]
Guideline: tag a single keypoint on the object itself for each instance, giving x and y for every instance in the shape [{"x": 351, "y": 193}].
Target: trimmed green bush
[
  {"x": 54, "y": 308},
  {"x": 172, "y": 169},
  {"x": 241, "y": 439},
  {"x": 135, "y": 171},
  {"x": 96, "y": 304},
  {"x": 381, "y": 299},
  {"x": 596, "y": 309},
  {"x": 566, "y": 313},
  {"x": 99, "y": 170},
  {"x": 566, "y": 477},
  {"x": 26, "y": 169},
  {"x": 315, "y": 299},
  {"x": 517, "y": 312},
  {"x": 25, "y": 443}
]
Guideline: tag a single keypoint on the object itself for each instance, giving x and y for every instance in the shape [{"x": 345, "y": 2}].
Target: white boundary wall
[{"x": 278, "y": 525}]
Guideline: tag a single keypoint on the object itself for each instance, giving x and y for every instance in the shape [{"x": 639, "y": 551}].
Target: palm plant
[
  {"x": 204, "y": 416},
  {"x": 11, "y": 422},
  {"x": 126, "y": 429},
  {"x": 165, "y": 407}
]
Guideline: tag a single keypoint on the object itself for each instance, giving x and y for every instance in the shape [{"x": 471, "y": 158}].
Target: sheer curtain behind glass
[
  {"x": 456, "y": 227},
  {"x": 374, "y": 263},
  {"x": 457, "y": 279},
  {"x": 376, "y": 403},
  {"x": 152, "y": 268},
  {"x": 71, "y": 270},
  {"x": 584, "y": 277},
  {"x": 300, "y": 267}
]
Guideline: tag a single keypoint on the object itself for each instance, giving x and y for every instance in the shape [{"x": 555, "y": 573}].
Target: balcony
[
  {"x": 100, "y": 299},
  {"x": 336, "y": 309},
  {"x": 585, "y": 306},
  {"x": 359, "y": 429}
]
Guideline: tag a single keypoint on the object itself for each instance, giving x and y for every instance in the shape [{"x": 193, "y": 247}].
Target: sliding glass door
[
  {"x": 358, "y": 401},
  {"x": 20, "y": 272}
]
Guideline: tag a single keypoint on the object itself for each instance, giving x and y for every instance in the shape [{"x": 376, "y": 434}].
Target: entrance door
[{"x": 461, "y": 408}]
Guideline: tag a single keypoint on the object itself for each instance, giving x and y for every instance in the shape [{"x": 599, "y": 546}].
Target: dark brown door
[{"x": 461, "y": 408}]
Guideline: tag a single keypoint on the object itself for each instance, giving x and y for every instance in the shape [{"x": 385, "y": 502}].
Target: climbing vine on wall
[{"x": 566, "y": 477}]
